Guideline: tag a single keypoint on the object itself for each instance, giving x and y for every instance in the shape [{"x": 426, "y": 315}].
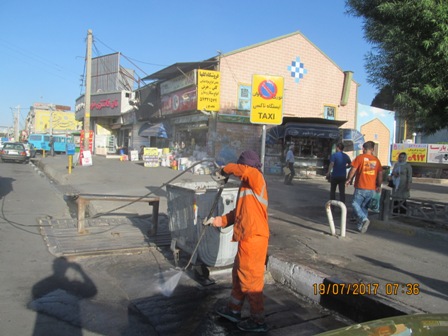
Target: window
[
  {"x": 244, "y": 96},
  {"x": 330, "y": 112}
]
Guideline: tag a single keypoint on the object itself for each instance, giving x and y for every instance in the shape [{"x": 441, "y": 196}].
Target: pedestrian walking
[
  {"x": 251, "y": 231},
  {"x": 290, "y": 164},
  {"x": 51, "y": 144},
  {"x": 368, "y": 173},
  {"x": 401, "y": 178},
  {"x": 337, "y": 172}
]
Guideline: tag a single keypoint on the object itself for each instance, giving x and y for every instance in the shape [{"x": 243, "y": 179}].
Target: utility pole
[
  {"x": 16, "y": 124},
  {"x": 52, "y": 110},
  {"x": 88, "y": 89}
]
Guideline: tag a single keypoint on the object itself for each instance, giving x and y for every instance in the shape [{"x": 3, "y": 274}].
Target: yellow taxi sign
[{"x": 267, "y": 100}]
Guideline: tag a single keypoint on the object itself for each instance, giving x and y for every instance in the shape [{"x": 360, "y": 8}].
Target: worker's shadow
[
  {"x": 59, "y": 296},
  {"x": 5, "y": 186}
]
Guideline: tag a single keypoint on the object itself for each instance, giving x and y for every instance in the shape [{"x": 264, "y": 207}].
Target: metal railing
[
  {"x": 430, "y": 211},
  {"x": 330, "y": 216}
]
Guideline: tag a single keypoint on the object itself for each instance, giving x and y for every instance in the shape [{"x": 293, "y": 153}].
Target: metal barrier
[
  {"x": 330, "y": 216},
  {"x": 431, "y": 211}
]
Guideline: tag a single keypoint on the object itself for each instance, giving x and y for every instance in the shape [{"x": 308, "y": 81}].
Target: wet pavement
[{"x": 302, "y": 253}]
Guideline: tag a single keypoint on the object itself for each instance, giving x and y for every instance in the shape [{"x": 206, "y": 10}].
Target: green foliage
[{"x": 409, "y": 56}]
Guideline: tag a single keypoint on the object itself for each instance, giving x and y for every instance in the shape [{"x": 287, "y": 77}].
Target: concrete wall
[{"x": 233, "y": 138}]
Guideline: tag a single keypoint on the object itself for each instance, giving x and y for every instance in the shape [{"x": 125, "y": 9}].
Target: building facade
[
  {"x": 316, "y": 90},
  {"x": 50, "y": 119},
  {"x": 319, "y": 99},
  {"x": 378, "y": 125},
  {"x": 112, "y": 105}
]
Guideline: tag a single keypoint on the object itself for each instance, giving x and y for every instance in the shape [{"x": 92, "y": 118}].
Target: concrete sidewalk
[{"x": 403, "y": 267}]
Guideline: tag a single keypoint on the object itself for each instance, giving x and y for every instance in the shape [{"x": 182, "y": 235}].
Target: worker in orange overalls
[{"x": 251, "y": 231}]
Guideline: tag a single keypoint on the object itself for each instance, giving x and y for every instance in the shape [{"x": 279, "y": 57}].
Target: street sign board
[
  {"x": 70, "y": 148},
  {"x": 208, "y": 90},
  {"x": 267, "y": 100}
]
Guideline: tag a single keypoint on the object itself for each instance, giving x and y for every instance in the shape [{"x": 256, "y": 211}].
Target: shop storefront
[
  {"x": 190, "y": 133},
  {"x": 313, "y": 141}
]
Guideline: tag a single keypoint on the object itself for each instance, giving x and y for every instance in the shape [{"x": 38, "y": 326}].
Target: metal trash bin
[{"x": 188, "y": 204}]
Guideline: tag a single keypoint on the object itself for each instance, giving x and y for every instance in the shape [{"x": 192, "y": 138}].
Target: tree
[{"x": 409, "y": 59}]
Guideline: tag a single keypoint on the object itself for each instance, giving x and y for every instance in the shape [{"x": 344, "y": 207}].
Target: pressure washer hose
[{"x": 157, "y": 189}]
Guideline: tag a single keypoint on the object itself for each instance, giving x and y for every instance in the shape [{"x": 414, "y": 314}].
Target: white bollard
[{"x": 330, "y": 216}]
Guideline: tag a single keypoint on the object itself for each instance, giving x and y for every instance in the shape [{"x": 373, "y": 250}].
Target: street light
[{"x": 413, "y": 136}]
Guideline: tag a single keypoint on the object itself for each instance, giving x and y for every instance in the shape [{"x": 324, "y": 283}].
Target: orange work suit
[{"x": 251, "y": 231}]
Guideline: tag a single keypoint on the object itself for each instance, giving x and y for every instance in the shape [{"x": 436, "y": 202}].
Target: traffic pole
[{"x": 70, "y": 162}]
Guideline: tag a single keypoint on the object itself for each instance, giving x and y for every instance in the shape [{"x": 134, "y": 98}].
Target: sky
[{"x": 43, "y": 43}]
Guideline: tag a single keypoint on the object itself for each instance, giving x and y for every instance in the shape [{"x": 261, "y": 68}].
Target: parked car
[
  {"x": 13, "y": 151},
  {"x": 30, "y": 150}
]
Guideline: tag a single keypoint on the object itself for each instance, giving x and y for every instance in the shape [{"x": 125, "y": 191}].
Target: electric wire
[
  {"x": 16, "y": 225},
  {"x": 31, "y": 58},
  {"x": 22, "y": 227},
  {"x": 129, "y": 59},
  {"x": 31, "y": 55},
  {"x": 158, "y": 188}
]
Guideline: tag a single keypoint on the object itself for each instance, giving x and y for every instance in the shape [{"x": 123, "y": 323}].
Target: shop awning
[
  {"x": 352, "y": 139},
  {"x": 153, "y": 130},
  {"x": 301, "y": 130},
  {"x": 311, "y": 131},
  {"x": 305, "y": 127},
  {"x": 274, "y": 134}
]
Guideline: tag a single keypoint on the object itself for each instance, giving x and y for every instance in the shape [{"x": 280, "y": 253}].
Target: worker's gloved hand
[
  {"x": 208, "y": 221},
  {"x": 214, "y": 221},
  {"x": 221, "y": 175}
]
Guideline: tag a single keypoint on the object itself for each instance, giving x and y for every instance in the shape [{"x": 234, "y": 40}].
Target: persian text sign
[
  {"x": 267, "y": 100},
  {"x": 438, "y": 153},
  {"x": 179, "y": 101},
  {"x": 415, "y": 152},
  {"x": 208, "y": 90}
]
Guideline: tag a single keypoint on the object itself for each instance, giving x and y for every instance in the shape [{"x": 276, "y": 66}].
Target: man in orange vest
[{"x": 251, "y": 231}]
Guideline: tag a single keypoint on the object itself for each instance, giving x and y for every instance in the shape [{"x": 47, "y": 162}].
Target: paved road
[
  {"x": 302, "y": 253},
  {"x": 24, "y": 258},
  {"x": 119, "y": 294}
]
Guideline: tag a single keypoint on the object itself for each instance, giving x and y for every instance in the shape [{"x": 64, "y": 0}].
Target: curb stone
[{"x": 301, "y": 280}]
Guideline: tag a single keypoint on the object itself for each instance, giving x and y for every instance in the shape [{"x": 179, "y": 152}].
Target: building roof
[{"x": 179, "y": 68}]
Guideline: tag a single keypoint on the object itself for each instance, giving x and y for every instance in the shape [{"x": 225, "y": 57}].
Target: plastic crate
[{"x": 188, "y": 205}]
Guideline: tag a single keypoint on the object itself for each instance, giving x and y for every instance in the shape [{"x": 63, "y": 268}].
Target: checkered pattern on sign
[{"x": 297, "y": 69}]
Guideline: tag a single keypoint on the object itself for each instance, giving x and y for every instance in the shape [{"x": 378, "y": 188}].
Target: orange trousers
[{"x": 248, "y": 276}]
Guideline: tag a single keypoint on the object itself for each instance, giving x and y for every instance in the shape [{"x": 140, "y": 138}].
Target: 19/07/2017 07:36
[{"x": 366, "y": 289}]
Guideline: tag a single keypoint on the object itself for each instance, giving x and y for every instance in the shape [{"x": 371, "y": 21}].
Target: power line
[
  {"x": 31, "y": 58},
  {"x": 129, "y": 58}
]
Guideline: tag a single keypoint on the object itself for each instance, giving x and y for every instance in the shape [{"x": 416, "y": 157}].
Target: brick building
[{"x": 318, "y": 98}]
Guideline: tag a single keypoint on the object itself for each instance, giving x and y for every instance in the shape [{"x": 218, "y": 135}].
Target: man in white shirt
[{"x": 290, "y": 164}]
